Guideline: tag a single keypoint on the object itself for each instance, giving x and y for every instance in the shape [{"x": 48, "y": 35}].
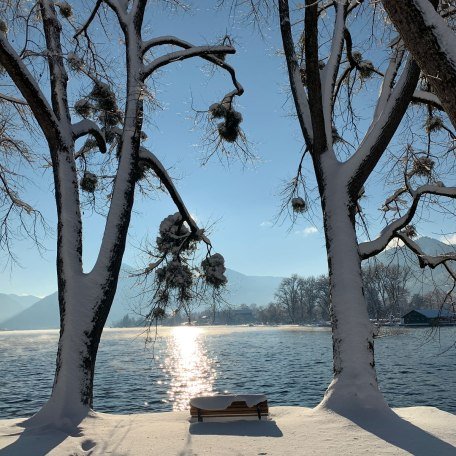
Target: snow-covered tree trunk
[
  {"x": 85, "y": 298},
  {"x": 354, "y": 385},
  {"x": 316, "y": 79}
]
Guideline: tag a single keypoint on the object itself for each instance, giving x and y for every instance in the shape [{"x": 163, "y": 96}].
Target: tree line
[
  {"x": 387, "y": 288},
  {"x": 306, "y": 300}
]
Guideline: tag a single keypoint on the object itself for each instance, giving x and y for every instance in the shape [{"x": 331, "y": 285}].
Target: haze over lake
[{"x": 292, "y": 365}]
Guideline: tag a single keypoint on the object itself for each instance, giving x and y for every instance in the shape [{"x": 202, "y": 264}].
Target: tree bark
[
  {"x": 86, "y": 305},
  {"x": 354, "y": 387},
  {"x": 432, "y": 44}
]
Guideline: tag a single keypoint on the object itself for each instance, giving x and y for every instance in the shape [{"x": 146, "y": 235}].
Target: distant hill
[
  {"x": 44, "y": 314},
  {"x": 245, "y": 289},
  {"x": 11, "y": 304},
  {"x": 24, "y": 300},
  {"x": 423, "y": 280},
  {"x": 241, "y": 289}
]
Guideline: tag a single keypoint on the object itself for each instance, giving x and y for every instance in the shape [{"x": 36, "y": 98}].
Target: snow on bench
[{"x": 229, "y": 406}]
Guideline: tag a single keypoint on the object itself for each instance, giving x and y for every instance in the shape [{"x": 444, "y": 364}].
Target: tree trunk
[
  {"x": 432, "y": 44},
  {"x": 84, "y": 299},
  {"x": 86, "y": 306},
  {"x": 354, "y": 386}
]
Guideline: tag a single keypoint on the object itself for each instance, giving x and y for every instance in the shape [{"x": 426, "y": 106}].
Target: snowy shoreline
[{"x": 291, "y": 430}]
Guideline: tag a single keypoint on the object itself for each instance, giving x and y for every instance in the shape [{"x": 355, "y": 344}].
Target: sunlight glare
[{"x": 190, "y": 369}]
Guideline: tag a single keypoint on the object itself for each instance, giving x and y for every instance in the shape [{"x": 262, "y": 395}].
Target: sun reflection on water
[{"x": 190, "y": 369}]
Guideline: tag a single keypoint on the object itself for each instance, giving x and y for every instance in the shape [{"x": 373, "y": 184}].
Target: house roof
[{"x": 434, "y": 313}]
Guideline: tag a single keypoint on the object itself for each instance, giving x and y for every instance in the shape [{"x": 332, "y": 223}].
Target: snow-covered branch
[
  {"x": 354, "y": 4},
  {"x": 13, "y": 100},
  {"x": 194, "y": 51},
  {"x": 162, "y": 174},
  {"x": 173, "y": 40},
  {"x": 431, "y": 42},
  {"x": 294, "y": 72},
  {"x": 88, "y": 127},
  {"x": 165, "y": 40},
  {"x": 389, "y": 80},
  {"x": 331, "y": 70},
  {"x": 311, "y": 48},
  {"x": 120, "y": 9},
  {"x": 432, "y": 261},
  {"x": 428, "y": 98},
  {"x": 385, "y": 123},
  {"x": 59, "y": 77},
  {"x": 137, "y": 10},
  {"x": 371, "y": 248}
]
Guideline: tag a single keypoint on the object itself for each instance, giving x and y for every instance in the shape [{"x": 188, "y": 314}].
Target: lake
[{"x": 291, "y": 365}]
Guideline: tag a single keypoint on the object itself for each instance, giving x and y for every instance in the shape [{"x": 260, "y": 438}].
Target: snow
[
  {"x": 329, "y": 73},
  {"x": 221, "y": 402},
  {"x": 445, "y": 36},
  {"x": 291, "y": 430},
  {"x": 214, "y": 269}
]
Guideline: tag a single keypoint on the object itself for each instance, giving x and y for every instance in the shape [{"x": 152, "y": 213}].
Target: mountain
[
  {"x": 241, "y": 289},
  {"x": 422, "y": 280},
  {"x": 25, "y": 300},
  {"x": 244, "y": 289},
  {"x": 44, "y": 314},
  {"x": 11, "y": 304}
]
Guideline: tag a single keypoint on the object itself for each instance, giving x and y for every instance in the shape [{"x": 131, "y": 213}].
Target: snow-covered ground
[{"x": 291, "y": 431}]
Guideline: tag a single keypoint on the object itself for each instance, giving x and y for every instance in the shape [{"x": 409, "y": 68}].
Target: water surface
[{"x": 292, "y": 365}]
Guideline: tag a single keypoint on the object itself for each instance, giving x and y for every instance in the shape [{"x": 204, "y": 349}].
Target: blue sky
[{"x": 242, "y": 201}]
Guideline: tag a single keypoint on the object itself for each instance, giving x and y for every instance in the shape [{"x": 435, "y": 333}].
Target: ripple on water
[{"x": 293, "y": 367}]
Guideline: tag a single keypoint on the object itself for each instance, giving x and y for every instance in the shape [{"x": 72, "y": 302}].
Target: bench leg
[
  {"x": 259, "y": 412},
  {"x": 200, "y": 418}
]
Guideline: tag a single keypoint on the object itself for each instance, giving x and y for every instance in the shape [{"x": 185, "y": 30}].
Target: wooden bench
[{"x": 229, "y": 406}]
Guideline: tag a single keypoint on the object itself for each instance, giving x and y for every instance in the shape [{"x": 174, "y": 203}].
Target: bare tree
[
  {"x": 302, "y": 299},
  {"x": 385, "y": 288},
  {"x": 18, "y": 218},
  {"x": 432, "y": 42},
  {"x": 288, "y": 297},
  {"x": 323, "y": 297},
  {"x": 49, "y": 41},
  {"x": 326, "y": 72}
]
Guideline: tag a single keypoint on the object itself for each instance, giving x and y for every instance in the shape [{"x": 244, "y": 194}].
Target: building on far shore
[{"x": 429, "y": 317}]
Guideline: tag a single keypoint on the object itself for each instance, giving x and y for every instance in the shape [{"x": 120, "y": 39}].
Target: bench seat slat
[{"x": 237, "y": 408}]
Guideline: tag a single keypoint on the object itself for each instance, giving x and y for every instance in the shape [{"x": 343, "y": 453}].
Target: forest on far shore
[{"x": 305, "y": 300}]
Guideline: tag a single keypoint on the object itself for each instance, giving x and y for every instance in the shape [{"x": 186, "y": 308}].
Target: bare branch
[
  {"x": 371, "y": 248},
  {"x": 59, "y": 77},
  {"x": 431, "y": 42},
  {"x": 164, "y": 177},
  {"x": 297, "y": 88},
  {"x": 431, "y": 261},
  {"x": 428, "y": 98},
  {"x": 172, "y": 40},
  {"x": 331, "y": 70},
  {"x": 13, "y": 100},
  {"x": 86, "y": 127},
  {"x": 86, "y": 25},
  {"x": 194, "y": 51},
  {"x": 29, "y": 88},
  {"x": 382, "y": 129},
  {"x": 314, "y": 91}
]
